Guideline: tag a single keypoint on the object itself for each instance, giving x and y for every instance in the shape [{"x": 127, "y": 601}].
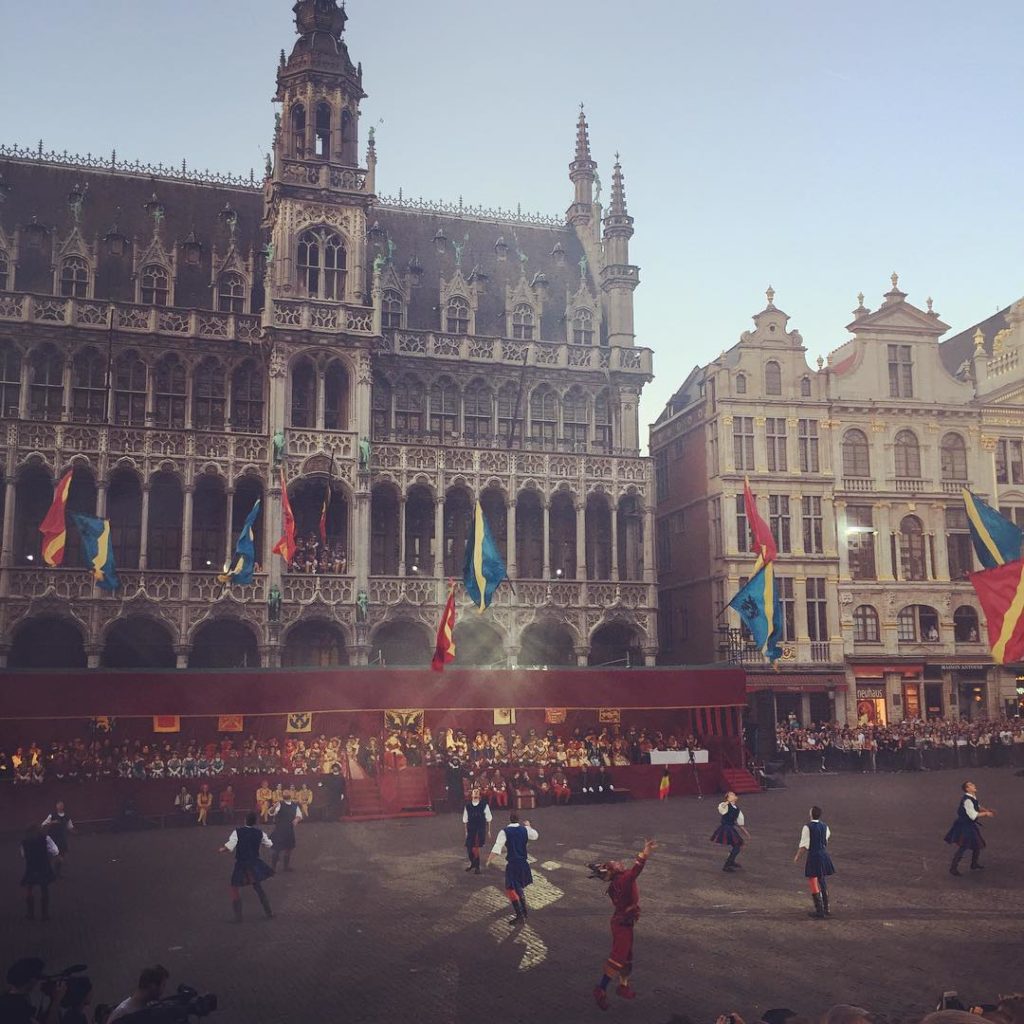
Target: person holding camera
[
  {"x": 730, "y": 831},
  {"x": 250, "y": 869},
  {"x": 965, "y": 832},
  {"x": 16, "y": 1005},
  {"x": 150, "y": 989},
  {"x": 625, "y": 896}
]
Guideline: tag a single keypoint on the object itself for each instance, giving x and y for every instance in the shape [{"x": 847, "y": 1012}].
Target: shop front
[
  {"x": 800, "y": 697},
  {"x": 890, "y": 692},
  {"x": 972, "y": 688},
  {"x": 871, "y": 704}
]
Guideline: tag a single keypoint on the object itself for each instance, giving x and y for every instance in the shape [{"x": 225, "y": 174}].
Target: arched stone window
[
  {"x": 509, "y": 413},
  {"x": 805, "y": 387},
  {"x": 208, "y": 395},
  {"x": 384, "y": 530},
  {"x": 32, "y": 497},
  {"x": 409, "y": 403},
  {"x": 164, "y": 532},
  {"x": 74, "y": 277},
  {"x": 630, "y": 539},
  {"x": 10, "y": 380},
  {"x": 380, "y": 422},
  {"x": 529, "y": 535},
  {"x": 47, "y": 642},
  {"x": 583, "y": 327},
  {"x": 575, "y": 419},
  {"x": 224, "y": 643},
  {"x": 323, "y": 131},
  {"x": 907, "y": 455},
  {"x": 314, "y": 645},
  {"x": 89, "y": 387},
  {"x": 231, "y": 293},
  {"x": 598, "y": 527},
  {"x": 419, "y": 531},
  {"x": 303, "y": 411},
  {"x": 444, "y": 408},
  {"x": 953, "y": 458},
  {"x": 298, "y": 130},
  {"x": 772, "y": 378},
  {"x": 457, "y": 315},
  {"x": 45, "y": 383},
  {"x": 522, "y": 322},
  {"x": 322, "y": 264},
  {"x": 5, "y": 270},
  {"x": 124, "y": 511},
  {"x": 154, "y": 287},
  {"x": 479, "y": 410},
  {"x": 615, "y": 643},
  {"x": 562, "y": 536},
  {"x": 209, "y": 524},
  {"x": 391, "y": 310},
  {"x": 458, "y": 511},
  {"x": 603, "y": 426},
  {"x": 335, "y": 396},
  {"x": 856, "y": 454},
  {"x": 137, "y": 641},
  {"x": 129, "y": 390},
  {"x": 544, "y": 414},
  {"x": 348, "y": 139},
  {"x": 912, "y": 549},
  {"x": 247, "y": 398},
  {"x": 169, "y": 390},
  {"x": 865, "y": 624},
  {"x": 547, "y": 643},
  {"x": 741, "y": 383},
  {"x": 918, "y": 623},
  {"x": 965, "y": 625}
]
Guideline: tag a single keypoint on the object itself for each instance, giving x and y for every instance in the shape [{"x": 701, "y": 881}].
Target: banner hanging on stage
[
  {"x": 300, "y": 721},
  {"x": 166, "y": 723},
  {"x": 230, "y": 723}
]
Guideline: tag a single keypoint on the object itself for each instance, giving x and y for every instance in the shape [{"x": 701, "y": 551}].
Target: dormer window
[
  {"x": 322, "y": 264},
  {"x": 741, "y": 383},
  {"x": 74, "y": 278},
  {"x": 805, "y": 387},
  {"x": 231, "y": 293},
  {"x": 522, "y": 322},
  {"x": 583, "y": 327},
  {"x": 154, "y": 289},
  {"x": 457, "y": 319},
  {"x": 772, "y": 378},
  {"x": 391, "y": 310}
]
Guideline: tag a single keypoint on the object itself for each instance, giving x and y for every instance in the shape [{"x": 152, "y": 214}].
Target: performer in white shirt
[
  {"x": 814, "y": 837},
  {"x": 965, "y": 833},
  {"x": 731, "y": 831},
  {"x": 249, "y": 869},
  {"x": 513, "y": 839},
  {"x": 476, "y": 816}
]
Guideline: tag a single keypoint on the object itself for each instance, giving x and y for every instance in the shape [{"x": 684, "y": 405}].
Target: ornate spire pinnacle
[
  {"x": 320, "y": 48},
  {"x": 770, "y": 294},
  {"x": 894, "y": 294},
  {"x": 979, "y": 342},
  {"x": 582, "y": 140},
  {"x": 618, "y": 204}
]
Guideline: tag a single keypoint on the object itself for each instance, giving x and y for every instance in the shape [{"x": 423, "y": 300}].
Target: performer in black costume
[
  {"x": 514, "y": 839},
  {"x": 476, "y": 816},
  {"x": 37, "y": 848},
  {"x": 58, "y": 825},
  {"x": 965, "y": 833},
  {"x": 731, "y": 831},
  {"x": 814, "y": 837},
  {"x": 249, "y": 869},
  {"x": 286, "y": 816}
]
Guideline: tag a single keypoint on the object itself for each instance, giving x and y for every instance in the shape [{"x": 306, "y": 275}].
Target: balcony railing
[
  {"x": 907, "y": 485},
  {"x": 858, "y": 483},
  {"x": 318, "y": 315}
]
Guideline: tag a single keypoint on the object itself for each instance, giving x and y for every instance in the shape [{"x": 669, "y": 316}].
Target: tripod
[{"x": 696, "y": 773}]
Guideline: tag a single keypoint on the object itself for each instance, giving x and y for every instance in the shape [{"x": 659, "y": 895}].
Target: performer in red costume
[{"x": 625, "y": 896}]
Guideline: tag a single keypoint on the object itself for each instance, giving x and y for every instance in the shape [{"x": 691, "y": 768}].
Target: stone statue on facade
[
  {"x": 364, "y": 454},
  {"x": 362, "y": 606},
  {"x": 274, "y": 604},
  {"x": 279, "y": 447}
]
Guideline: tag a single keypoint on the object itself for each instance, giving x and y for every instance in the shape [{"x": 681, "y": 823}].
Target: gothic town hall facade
[{"x": 178, "y": 340}]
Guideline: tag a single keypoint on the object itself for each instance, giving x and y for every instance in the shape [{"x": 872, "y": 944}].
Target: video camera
[
  {"x": 185, "y": 1003},
  {"x": 48, "y": 982}
]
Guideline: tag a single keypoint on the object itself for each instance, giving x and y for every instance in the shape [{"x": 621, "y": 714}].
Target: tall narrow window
[
  {"x": 10, "y": 380},
  {"x": 322, "y": 264},
  {"x": 409, "y": 403},
  {"x": 129, "y": 390},
  {"x": 901, "y": 372},
  {"x": 583, "y": 327},
  {"x": 303, "y": 412},
  {"x": 74, "y": 277},
  {"x": 1010, "y": 461},
  {"x": 787, "y": 599},
  {"x": 247, "y": 398},
  {"x": 154, "y": 290},
  {"x": 169, "y": 390},
  {"x": 323, "y": 131},
  {"x": 807, "y": 435},
  {"x": 743, "y": 442},
  {"x": 208, "y": 396},
  {"x": 575, "y": 426},
  {"x": 231, "y": 293},
  {"x": 805, "y": 387},
  {"x": 779, "y": 521},
  {"x": 744, "y": 538},
  {"x": 810, "y": 514},
  {"x": 603, "y": 420},
  {"x": 907, "y": 455},
  {"x": 380, "y": 415},
  {"x": 510, "y": 414},
  {"x": 865, "y": 624},
  {"x": 860, "y": 541},
  {"x": 5, "y": 269},
  {"x": 856, "y": 454},
  {"x": 457, "y": 315},
  {"x": 391, "y": 310},
  {"x": 544, "y": 414},
  {"x": 522, "y": 322},
  {"x": 713, "y": 456},
  {"x": 741, "y": 383},
  {"x": 336, "y": 396},
  {"x": 89, "y": 387},
  {"x": 444, "y": 408},
  {"x": 817, "y": 609},
  {"x": 958, "y": 543},
  {"x": 953, "y": 458},
  {"x": 912, "y": 549},
  {"x": 661, "y": 491},
  {"x": 45, "y": 383},
  {"x": 772, "y": 378},
  {"x": 716, "y": 527},
  {"x": 479, "y": 410},
  {"x": 775, "y": 438},
  {"x": 298, "y": 126}
]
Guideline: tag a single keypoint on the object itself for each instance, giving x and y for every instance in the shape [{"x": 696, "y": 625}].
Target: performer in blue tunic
[
  {"x": 966, "y": 832},
  {"x": 249, "y": 869},
  {"x": 731, "y": 831},
  {"x": 513, "y": 839},
  {"x": 286, "y": 815},
  {"x": 814, "y": 837},
  {"x": 476, "y": 816},
  {"x": 37, "y": 848}
]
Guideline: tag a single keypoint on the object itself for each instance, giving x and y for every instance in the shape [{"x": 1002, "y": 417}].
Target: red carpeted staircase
[
  {"x": 739, "y": 780},
  {"x": 398, "y": 794}
]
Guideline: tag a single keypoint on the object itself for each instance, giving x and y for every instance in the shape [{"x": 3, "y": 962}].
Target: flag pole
[{"x": 110, "y": 363}]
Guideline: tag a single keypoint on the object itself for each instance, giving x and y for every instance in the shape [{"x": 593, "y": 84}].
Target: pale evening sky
[{"x": 812, "y": 145}]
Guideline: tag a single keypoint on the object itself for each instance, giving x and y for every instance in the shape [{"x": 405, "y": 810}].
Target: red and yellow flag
[
  {"x": 1001, "y": 593},
  {"x": 54, "y": 526},
  {"x": 664, "y": 786},
  {"x": 323, "y": 518},
  {"x": 763, "y": 541},
  {"x": 285, "y": 547},
  {"x": 444, "y": 649}
]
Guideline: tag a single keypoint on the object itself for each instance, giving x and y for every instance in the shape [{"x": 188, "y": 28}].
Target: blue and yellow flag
[
  {"x": 484, "y": 568},
  {"x": 241, "y": 568},
  {"x": 98, "y": 550},
  {"x": 996, "y": 539},
  {"x": 760, "y": 608}
]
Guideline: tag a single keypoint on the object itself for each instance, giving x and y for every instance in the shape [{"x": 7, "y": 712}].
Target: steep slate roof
[
  {"x": 688, "y": 393},
  {"x": 40, "y": 191},
  {"x": 961, "y": 346}
]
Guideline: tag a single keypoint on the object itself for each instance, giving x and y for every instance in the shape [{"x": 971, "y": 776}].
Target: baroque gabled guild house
[
  {"x": 177, "y": 339},
  {"x": 858, "y": 468}
]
